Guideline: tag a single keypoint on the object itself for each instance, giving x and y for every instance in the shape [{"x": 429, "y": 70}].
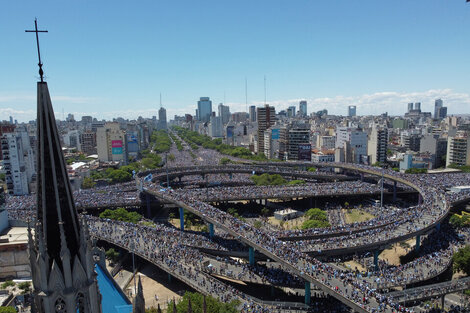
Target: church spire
[{"x": 59, "y": 267}]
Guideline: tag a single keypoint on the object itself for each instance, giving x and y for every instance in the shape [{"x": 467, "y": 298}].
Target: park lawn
[{"x": 357, "y": 216}]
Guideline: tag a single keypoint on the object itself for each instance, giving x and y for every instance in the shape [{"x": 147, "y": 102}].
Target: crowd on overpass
[
  {"x": 344, "y": 285},
  {"x": 276, "y": 192},
  {"x": 107, "y": 196}
]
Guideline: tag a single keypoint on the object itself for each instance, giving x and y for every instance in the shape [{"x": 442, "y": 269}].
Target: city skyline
[{"x": 377, "y": 57}]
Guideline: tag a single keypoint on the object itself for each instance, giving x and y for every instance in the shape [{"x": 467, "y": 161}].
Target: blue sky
[{"x": 113, "y": 58}]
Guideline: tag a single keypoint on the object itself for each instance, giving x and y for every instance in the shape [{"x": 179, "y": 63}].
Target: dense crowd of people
[
  {"x": 170, "y": 248},
  {"x": 276, "y": 192}
]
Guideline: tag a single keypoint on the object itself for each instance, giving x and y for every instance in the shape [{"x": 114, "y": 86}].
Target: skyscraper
[
  {"x": 224, "y": 113},
  {"x": 204, "y": 109},
  {"x": 351, "y": 110},
  {"x": 410, "y": 107},
  {"x": 303, "y": 108},
  {"x": 291, "y": 111},
  {"x": 162, "y": 124},
  {"x": 440, "y": 111},
  {"x": 377, "y": 145},
  {"x": 252, "y": 113},
  {"x": 266, "y": 116}
]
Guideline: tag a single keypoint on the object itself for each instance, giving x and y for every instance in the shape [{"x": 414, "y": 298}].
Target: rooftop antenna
[
  {"x": 41, "y": 72},
  {"x": 264, "y": 89},
  {"x": 246, "y": 93}
]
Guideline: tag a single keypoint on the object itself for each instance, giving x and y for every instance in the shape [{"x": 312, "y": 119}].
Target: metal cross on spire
[{"x": 41, "y": 73}]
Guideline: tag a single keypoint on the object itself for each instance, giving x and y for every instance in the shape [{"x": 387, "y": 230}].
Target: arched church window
[
  {"x": 60, "y": 306},
  {"x": 80, "y": 303}
]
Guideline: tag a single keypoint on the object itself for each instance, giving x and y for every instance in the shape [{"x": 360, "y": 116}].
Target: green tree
[
  {"x": 8, "y": 283},
  {"x": 265, "y": 212},
  {"x": 224, "y": 161},
  {"x": 213, "y": 305},
  {"x": 461, "y": 260},
  {"x": 88, "y": 183},
  {"x": 257, "y": 224},
  {"x": 25, "y": 286},
  {"x": 7, "y": 309},
  {"x": 232, "y": 211},
  {"x": 121, "y": 214},
  {"x": 112, "y": 255},
  {"x": 316, "y": 214}
]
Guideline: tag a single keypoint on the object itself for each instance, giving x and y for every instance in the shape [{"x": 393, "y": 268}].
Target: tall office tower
[
  {"x": 298, "y": 135},
  {"x": 224, "y": 113},
  {"x": 18, "y": 159},
  {"x": 303, "y": 108},
  {"x": 377, "y": 145},
  {"x": 204, "y": 109},
  {"x": 410, "y": 107},
  {"x": 162, "y": 124},
  {"x": 216, "y": 129},
  {"x": 355, "y": 142},
  {"x": 437, "y": 105},
  {"x": 88, "y": 142},
  {"x": 62, "y": 265},
  {"x": 351, "y": 110},
  {"x": 111, "y": 143},
  {"x": 458, "y": 149},
  {"x": 418, "y": 106},
  {"x": 291, "y": 111},
  {"x": 252, "y": 113},
  {"x": 266, "y": 116}
]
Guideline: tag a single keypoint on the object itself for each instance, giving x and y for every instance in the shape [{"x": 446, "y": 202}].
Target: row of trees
[
  {"x": 273, "y": 180},
  {"x": 194, "y": 138},
  {"x": 178, "y": 143},
  {"x": 198, "y": 303},
  {"x": 160, "y": 141},
  {"x": 121, "y": 214}
]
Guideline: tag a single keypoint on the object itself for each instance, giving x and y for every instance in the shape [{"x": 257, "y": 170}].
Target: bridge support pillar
[
  {"x": 376, "y": 259},
  {"x": 179, "y": 179},
  {"x": 307, "y": 293},
  {"x": 147, "y": 200},
  {"x": 182, "y": 219},
  {"x": 420, "y": 199},
  {"x": 211, "y": 230},
  {"x": 362, "y": 177},
  {"x": 311, "y": 203},
  {"x": 438, "y": 226},
  {"x": 251, "y": 256},
  {"x": 394, "y": 191},
  {"x": 418, "y": 243},
  {"x": 443, "y": 302},
  {"x": 169, "y": 277},
  {"x": 272, "y": 290}
]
